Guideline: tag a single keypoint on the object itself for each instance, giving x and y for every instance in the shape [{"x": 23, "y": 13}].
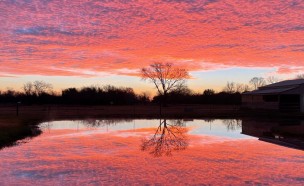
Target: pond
[{"x": 158, "y": 152}]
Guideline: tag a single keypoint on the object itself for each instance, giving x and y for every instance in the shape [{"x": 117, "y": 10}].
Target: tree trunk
[{"x": 164, "y": 99}]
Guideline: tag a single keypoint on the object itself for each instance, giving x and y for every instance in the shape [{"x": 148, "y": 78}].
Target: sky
[{"x": 84, "y": 42}]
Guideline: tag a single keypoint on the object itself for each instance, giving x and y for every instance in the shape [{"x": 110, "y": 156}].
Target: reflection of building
[
  {"x": 288, "y": 133},
  {"x": 284, "y": 96}
]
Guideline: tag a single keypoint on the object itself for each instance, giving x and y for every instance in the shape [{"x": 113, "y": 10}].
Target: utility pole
[{"x": 17, "y": 108}]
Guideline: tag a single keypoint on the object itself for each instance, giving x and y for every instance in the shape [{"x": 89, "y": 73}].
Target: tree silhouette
[
  {"x": 28, "y": 88},
  {"x": 167, "y": 138},
  {"x": 112, "y": 95},
  {"x": 95, "y": 123},
  {"x": 272, "y": 79},
  {"x": 232, "y": 124},
  {"x": 257, "y": 82},
  {"x": 165, "y": 77},
  {"x": 300, "y": 76},
  {"x": 208, "y": 92},
  {"x": 230, "y": 87},
  {"x": 41, "y": 87}
]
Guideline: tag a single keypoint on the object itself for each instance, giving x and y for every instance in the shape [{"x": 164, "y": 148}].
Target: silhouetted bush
[
  {"x": 221, "y": 98},
  {"x": 111, "y": 95}
]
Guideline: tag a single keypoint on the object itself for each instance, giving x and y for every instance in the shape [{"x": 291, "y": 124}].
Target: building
[{"x": 285, "y": 96}]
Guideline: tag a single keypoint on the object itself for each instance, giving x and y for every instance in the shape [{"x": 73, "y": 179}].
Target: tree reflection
[
  {"x": 95, "y": 123},
  {"x": 167, "y": 138},
  {"x": 209, "y": 120},
  {"x": 233, "y": 124}
]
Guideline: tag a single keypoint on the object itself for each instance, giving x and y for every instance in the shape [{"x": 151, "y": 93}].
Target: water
[{"x": 158, "y": 152}]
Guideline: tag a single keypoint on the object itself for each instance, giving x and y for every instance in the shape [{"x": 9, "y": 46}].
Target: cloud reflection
[{"x": 111, "y": 159}]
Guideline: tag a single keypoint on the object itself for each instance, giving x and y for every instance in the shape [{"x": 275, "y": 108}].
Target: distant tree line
[
  {"x": 107, "y": 95},
  {"x": 253, "y": 84},
  {"x": 208, "y": 96},
  {"x": 40, "y": 92}
]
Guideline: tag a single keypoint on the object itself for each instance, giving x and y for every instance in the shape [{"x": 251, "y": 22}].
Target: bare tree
[
  {"x": 28, "y": 88},
  {"x": 300, "y": 76},
  {"x": 272, "y": 79},
  {"x": 41, "y": 87},
  {"x": 165, "y": 77},
  {"x": 257, "y": 82},
  {"x": 246, "y": 88},
  {"x": 230, "y": 87},
  {"x": 239, "y": 87}
]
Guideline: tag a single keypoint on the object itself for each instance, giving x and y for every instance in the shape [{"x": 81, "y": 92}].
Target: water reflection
[
  {"x": 11, "y": 136},
  {"x": 168, "y": 137},
  {"x": 232, "y": 124},
  {"x": 83, "y": 124},
  {"x": 171, "y": 135},
  {"x": 203, "y": 153},
  {"x": 96, "y": 123},
  {"x": 289, "y": 133}
]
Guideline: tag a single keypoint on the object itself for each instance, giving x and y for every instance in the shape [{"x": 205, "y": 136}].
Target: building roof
[
  {"x": 277, "y": 88},
  {"x": 285, "y": 83},
  {"x": 269, "y": 91}
]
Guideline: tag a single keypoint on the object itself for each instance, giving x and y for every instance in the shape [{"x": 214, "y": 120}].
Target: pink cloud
[
  {"x": 108, "y": 37},
  {"x": 290, "y": 70}
]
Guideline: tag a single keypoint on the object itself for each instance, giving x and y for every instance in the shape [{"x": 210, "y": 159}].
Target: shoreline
[
  {"x": 14, "y": 128},
  {"x": 54, "y": 112}
]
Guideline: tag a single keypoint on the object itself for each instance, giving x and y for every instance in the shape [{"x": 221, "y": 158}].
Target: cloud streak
[{"x": 41, "y": 37}]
